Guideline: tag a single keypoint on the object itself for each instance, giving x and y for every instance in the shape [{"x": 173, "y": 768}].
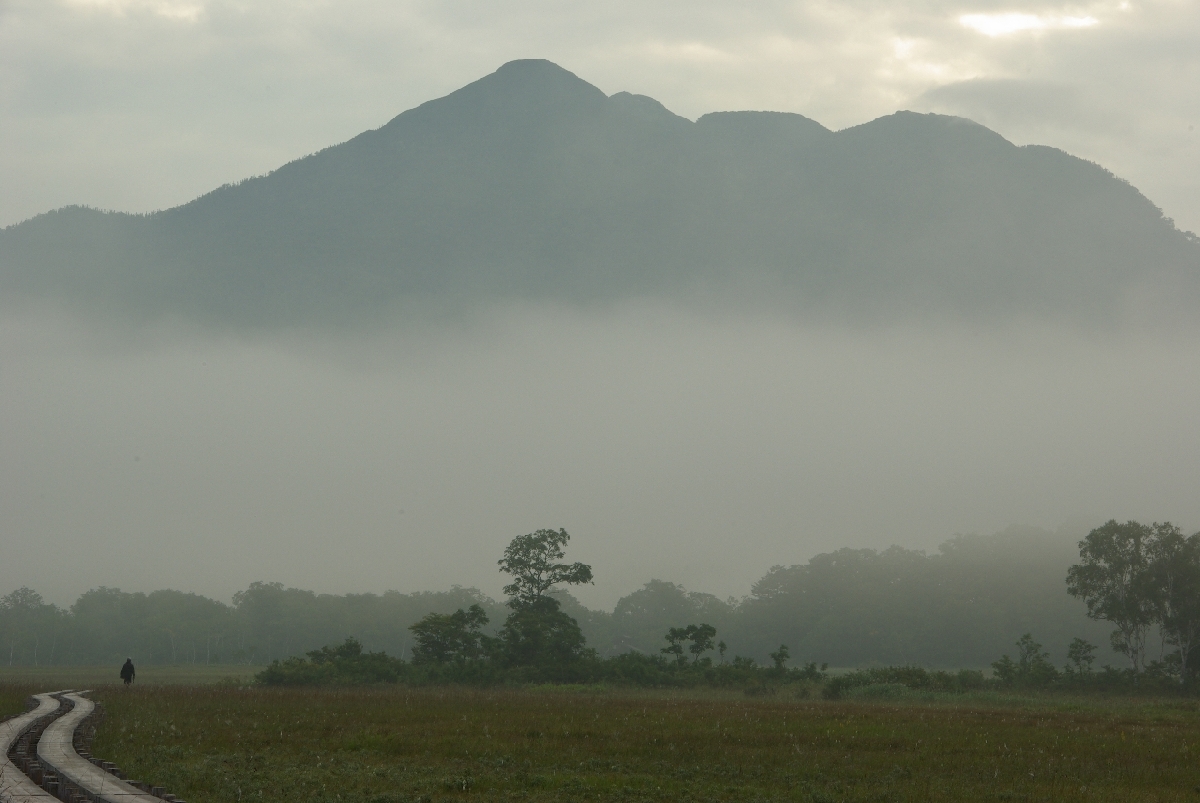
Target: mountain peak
[
  {"x": 527, "y": 69},
  {"x": 519, "y": 92},
  {"x": 644, "y": 107},
  {"x": 926, "y": 130},
  {"x": 762, "y": 127},
  {"x": 530, "y": 79}
]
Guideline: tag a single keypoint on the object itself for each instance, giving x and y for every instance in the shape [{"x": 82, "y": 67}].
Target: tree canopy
[
  {"x": 1138, "y": 576},
  {"x": 530, "y": 559}
]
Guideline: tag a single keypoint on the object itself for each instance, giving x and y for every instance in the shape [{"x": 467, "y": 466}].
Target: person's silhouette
[{"x": 127, "y": 671}]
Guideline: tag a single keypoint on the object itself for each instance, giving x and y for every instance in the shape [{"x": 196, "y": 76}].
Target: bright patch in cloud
[
  {"x": 694, "y": 52},
  {"x": 187, "y": 10},
  {"x": 1015, "y": 22}
]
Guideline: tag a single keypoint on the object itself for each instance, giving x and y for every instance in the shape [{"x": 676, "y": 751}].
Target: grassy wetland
[
  {"x": 224, "y": 743},
  {"x": 46, "y": 678},
  {"x": 531, "y": 713}
]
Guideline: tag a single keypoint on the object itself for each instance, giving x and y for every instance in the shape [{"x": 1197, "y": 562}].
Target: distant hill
[{"x": 531, "y": 183}]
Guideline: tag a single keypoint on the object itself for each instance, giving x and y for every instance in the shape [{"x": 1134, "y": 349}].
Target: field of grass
[
  {"x": 13, "y": 697},
  {"x": 221, "y": 743},
  {"x": 50, "y": 678}
]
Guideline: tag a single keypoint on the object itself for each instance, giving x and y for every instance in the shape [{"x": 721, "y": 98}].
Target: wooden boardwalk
[
  {"x": 16, "y": 786},
  {"x": 57, "y": 749}
]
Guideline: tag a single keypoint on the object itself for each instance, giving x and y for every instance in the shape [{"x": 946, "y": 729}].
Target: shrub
[{"x": 345, "y": 664}]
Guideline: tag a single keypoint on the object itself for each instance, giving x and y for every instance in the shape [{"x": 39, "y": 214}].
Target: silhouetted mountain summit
[{"x": 531, "y": 182}]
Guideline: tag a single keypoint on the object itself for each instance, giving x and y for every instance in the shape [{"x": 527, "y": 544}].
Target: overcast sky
[
  {"x": 694, "y": 446},
  {"x": 142, "y": 104}
]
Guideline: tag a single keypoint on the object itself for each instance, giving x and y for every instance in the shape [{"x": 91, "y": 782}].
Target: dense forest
[{"x": 961, "y": 606}]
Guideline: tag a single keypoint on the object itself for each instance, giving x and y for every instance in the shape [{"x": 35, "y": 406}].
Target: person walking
[{"x": 127, "y": 671}]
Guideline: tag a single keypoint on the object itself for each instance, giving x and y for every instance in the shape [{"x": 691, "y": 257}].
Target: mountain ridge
[{"x": 532, "y": 183}]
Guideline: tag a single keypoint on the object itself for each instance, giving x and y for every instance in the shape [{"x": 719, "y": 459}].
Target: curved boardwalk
[
  {"x": 56, "y": 749},
  {"x": 16, "y": 786}
]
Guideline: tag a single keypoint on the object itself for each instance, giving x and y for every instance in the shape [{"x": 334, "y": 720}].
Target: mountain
[{"x": 532, "y": 183}]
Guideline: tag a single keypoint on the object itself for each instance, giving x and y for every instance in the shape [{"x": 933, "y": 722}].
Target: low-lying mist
[{"x": 671, "y": 442}]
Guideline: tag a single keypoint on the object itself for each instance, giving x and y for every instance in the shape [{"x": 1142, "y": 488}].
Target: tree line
[
  {"x": 1130, "y": 575},
  {"x": 959, "y": 606},
  {"x": 537, "y": 641}
]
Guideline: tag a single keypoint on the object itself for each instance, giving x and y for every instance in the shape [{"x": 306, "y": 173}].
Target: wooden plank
[
  {"x": 16, "y": 786},
  {"x": 56, "y": 749}
]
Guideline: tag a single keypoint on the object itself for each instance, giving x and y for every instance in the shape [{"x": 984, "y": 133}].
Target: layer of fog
[{"x": 671, "y": 443}]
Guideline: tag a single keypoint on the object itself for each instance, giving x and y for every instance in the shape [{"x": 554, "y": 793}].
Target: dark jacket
[{"x": 127, "y": 672}]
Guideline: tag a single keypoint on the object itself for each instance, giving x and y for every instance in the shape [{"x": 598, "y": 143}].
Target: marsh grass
[
  {"x": 225, "y": 743},
  {"x": 48, "y": 678},
  {"x": 13, "y": 697}
]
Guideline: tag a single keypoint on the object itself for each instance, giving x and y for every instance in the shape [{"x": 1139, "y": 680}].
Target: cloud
[
  {"x": 1005, "y": 102},
  {"x": 185, "y": 10},
  {"x": 695, "y": 447},
  {"x": 1016, "y": 22}
]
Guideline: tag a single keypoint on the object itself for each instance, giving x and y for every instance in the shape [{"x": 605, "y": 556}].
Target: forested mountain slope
[{"x": 531, "y": 183}]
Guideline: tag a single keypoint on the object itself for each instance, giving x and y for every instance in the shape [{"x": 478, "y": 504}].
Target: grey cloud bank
[{"x": 694, "y": 447}]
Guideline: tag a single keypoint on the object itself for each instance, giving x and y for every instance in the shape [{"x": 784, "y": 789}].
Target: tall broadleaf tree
[
  {"x": 531, "y": 560},
  {"x": 1175, "y": 567},
  {"x": 31, "y": 627},
  {"x": 537, "y": 633},
  {"x": 1116, "y": 581}
]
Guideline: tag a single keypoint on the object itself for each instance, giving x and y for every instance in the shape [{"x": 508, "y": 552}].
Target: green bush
[{"x": 345, "y": 664}]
